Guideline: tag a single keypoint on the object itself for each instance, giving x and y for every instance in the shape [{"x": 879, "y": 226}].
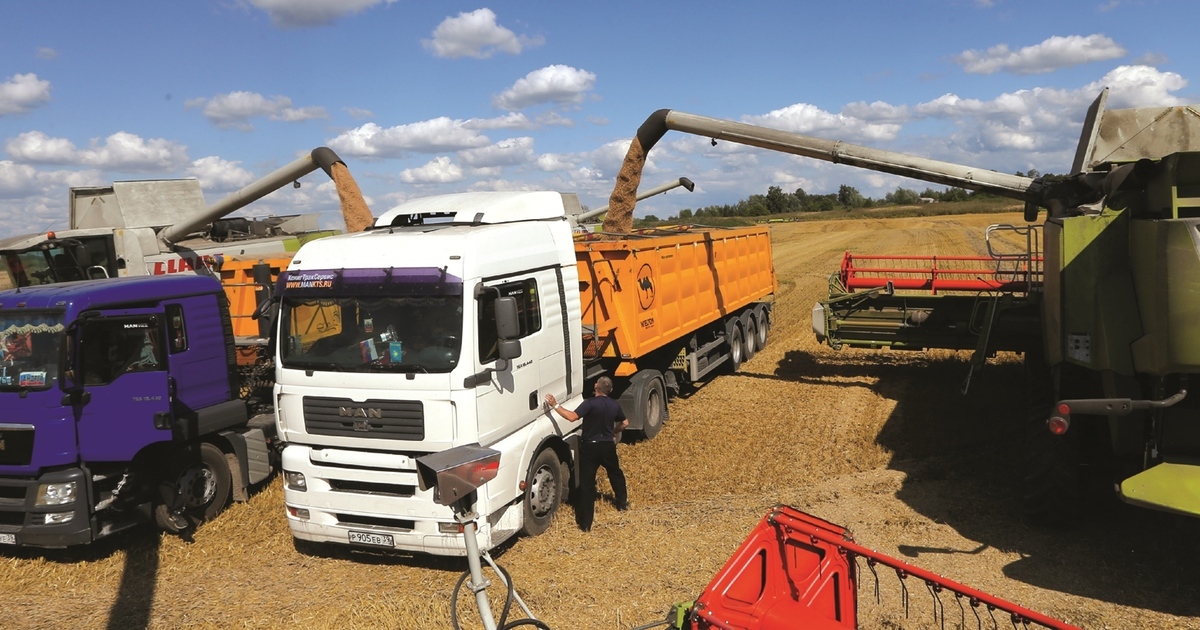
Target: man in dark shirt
[{"x": 602, "y": 420}]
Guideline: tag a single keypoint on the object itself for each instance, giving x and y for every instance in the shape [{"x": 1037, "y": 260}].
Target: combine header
[
  {"x": 907, "y": 302},
  {"x": 798, "y": 571}
]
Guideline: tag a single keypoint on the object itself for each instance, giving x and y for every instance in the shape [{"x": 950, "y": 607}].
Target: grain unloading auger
[{"x": 1101, "y": 302}]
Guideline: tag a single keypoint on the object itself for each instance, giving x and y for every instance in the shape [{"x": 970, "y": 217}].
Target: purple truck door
[{"x": 124, "y": 370}]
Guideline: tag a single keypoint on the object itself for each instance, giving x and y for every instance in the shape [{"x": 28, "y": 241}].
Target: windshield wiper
[{"x": 327, "y": 366}]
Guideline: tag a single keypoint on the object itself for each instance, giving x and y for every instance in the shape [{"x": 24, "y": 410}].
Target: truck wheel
[
  {"x": 1051, "y": 472},
  {"x": 195, "y": 489},
  {"x": 762, "y": 319},
  {"x": 650, "y": 403},
  {"x": 749, "y": 335},
  {"x": 543, "y": 491}
]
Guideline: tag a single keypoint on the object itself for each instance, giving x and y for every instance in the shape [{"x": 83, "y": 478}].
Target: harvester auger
[{"x": 1104, "y": 311}]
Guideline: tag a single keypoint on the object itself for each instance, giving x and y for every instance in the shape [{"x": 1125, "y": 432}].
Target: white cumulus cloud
[
  {"x": 1051, "y": 54},
  {"x": 120, "y": 151},
  {"x": 554, "y": 162},
  {"x": 236, "y": 109},
  {"x": 217, "y": 174},
  {"x": 16, "y": 180},
  {"x": 511, "y": 120},
  {"x": 509, "y": 152},
  {"x": 439, "y": 170},
  {"x": 429, "y": 136},
  {"x": 552, "y": 84},
  {"x": 306, "y": 13},
  {"x": 23, "y": 92},
  {"x": 807, "y": 119},
  {"x": 1140, "y": 86},
  {"x": 476, "y": 34}
]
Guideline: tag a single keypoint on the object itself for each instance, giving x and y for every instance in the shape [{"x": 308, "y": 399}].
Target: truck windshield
[
  {"x": 24, "y": 268},
  {"x": 371, "y": 334},
  {"x": 29, "y": 349}
]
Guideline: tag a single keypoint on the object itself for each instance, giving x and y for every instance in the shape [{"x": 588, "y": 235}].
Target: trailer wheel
[
  {"x": 544, "y": 489},
  {"x": 762, "y": 318},
  {"x": 195, "y": 489},
  {"x": 737, "y": 345},
  {"x": 650, "y": 402},
  {"x": 749, "y": 334}
]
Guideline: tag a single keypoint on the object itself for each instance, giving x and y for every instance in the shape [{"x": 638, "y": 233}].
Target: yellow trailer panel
[{"x": 642, "y": 291}]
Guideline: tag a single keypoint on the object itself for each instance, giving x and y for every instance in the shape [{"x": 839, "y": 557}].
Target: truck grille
[
  {"x": 16, "y": 446},
  {"x": 376, "y": 419}
]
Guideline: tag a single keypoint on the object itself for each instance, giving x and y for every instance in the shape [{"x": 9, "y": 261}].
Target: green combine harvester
[{"x": 1102, "y": 297}]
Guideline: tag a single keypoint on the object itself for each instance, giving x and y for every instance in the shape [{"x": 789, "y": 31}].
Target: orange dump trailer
[{"x": 667, "y": 307}]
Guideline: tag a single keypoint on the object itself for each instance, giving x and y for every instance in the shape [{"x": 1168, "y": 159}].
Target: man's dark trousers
[{"x": 593, "y": 455}]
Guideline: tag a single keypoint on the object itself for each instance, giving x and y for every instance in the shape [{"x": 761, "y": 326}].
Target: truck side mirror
[
  {"x": 508, "y": 328},
  {"x": 508, "y": 323},
  {"x": 508, "y": 349}
]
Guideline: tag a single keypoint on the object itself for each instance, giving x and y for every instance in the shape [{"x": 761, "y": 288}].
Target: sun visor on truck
[{"x": 389, "y": 282}]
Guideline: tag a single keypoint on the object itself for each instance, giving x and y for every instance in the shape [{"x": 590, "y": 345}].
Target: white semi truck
[{"x": 446, "y": 324}]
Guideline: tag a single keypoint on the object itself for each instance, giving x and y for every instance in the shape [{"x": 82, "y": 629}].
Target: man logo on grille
[{"x": 360, "y": 412}]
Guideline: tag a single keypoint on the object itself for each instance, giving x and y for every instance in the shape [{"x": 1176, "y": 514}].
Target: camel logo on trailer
[{"x": 645, "y": 286}]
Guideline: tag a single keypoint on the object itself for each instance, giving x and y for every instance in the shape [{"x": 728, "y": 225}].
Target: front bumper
[
  {"x": 23, "y": 522},
  {"x": 377, "y": 494}
]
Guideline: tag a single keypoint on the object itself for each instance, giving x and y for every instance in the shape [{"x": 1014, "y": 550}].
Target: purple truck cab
[{"x": 118, "y": 405}]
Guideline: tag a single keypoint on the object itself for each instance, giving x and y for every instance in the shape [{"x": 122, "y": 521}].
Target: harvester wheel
[
  {"x": 544, "y": 490},
  {"x": 749, "y": 334},
  {"x": 195, "y": 489},
  {"x": 1051, "y": 471}
]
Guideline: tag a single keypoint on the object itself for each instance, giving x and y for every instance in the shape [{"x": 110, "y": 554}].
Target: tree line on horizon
[{"x": 776, "y": 201}]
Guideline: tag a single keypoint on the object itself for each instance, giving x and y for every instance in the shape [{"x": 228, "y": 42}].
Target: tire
[
  {"x": 762, "y": 318},
  {"x": 544, "y": 490},
  {"x": 1051, "y": 462},
  {"x": 195, "y": 489},
  {"x": 737, "y": 346},
  {"x": 650, "y": 403},
  {"x": 749, "y": 335}
]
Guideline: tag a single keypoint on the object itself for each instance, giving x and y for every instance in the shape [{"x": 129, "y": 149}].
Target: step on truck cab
[
  {"x": 448, "y": 322},
  {"x": 118, "y": 405}
]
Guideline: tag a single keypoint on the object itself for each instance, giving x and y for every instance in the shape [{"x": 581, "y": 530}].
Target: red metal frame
[
  {"x": 937, "y": 273},
  {"x": 798, "y": 571}
]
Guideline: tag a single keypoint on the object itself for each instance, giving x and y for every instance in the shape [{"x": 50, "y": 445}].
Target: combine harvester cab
[{"x": 1109, "y": 334}]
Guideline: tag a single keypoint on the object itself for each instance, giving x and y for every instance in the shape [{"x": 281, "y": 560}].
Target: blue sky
[{"x": 421, "y": 98}]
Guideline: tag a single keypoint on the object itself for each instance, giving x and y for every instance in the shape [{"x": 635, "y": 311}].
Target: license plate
[
  {"x": 8, "y": 539},
  {"x": 368, "y": 538}
]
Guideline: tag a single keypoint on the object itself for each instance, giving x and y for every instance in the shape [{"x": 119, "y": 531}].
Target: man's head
[{"x": 604, "y": 385}]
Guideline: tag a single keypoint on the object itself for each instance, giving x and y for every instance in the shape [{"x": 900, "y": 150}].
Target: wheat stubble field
[{"x": 880, "y": 442}]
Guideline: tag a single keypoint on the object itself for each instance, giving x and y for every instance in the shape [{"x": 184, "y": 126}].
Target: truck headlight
[
  {"x": 295, "y": 481},
  {"x": 58, "y": 518},
  {"x": 56, "y": 493}
]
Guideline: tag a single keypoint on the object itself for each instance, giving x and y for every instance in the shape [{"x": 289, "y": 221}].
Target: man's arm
[{"x": 562, "y": 411}]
